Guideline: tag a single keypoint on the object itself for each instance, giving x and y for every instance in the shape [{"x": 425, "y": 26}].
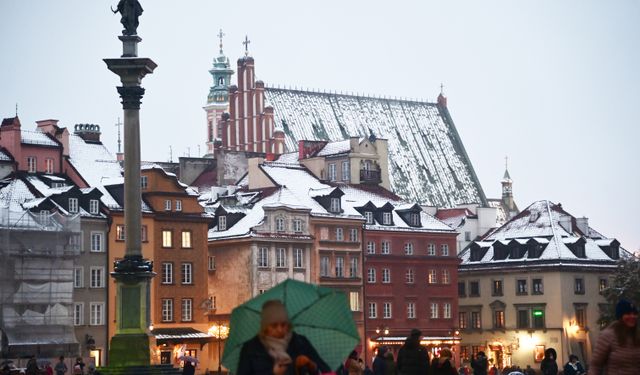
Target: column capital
[{"x": 131, "y": 96}]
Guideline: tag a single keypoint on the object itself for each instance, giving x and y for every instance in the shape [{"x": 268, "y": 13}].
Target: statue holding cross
[{"x": 130, "y": 10}]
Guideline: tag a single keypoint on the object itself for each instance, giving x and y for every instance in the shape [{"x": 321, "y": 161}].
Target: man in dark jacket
[
  {"x": 379, "y": 361},
  {"x": 413, "y": 358},
  {"x": 480, "y": 364}
]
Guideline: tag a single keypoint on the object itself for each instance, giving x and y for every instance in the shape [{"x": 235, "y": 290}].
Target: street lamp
[{"x": 220, "y": 331}]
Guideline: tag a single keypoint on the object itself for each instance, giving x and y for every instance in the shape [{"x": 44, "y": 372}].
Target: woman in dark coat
[
  {"x": 188, "y": 369},
  {"x": 549, "y": 366},
  {"x": 276, "y": 349}
]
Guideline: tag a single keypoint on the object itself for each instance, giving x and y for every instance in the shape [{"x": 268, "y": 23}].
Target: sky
[{"x": 552, "y": 85}]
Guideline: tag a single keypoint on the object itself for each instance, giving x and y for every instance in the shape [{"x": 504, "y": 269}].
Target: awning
[
  {"x": 181, "y": 335},
  {"x": 41, "y": 339}
]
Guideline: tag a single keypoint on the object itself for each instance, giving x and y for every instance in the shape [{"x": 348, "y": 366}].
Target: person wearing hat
[
  {"x": 413, "y": 358},
  {"x": 480, "y": 364},
  {"x": 618, "y": 347},
  {"x": 276, "y": 349}
]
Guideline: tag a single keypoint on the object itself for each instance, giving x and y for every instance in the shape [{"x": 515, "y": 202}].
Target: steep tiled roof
[{"x": 428, "y": 162}]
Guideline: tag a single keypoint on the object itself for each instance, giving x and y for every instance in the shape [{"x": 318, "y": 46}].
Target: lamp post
[{"x": 220, "y": 331}]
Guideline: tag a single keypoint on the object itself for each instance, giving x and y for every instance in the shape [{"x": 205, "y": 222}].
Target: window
[
  {"x": 186, "y": 239},
  {"x": 332, "y": 172},
  {"x": 386, "y": 310},
  {"x": 280, "y": 224},
  {"x": 409, "y": 276},
  {"x": 298, "y": 258},
  {"x": 96, "y": 242},
  {"x": 187, "y": 273},
  {"x": 120, "y": 235},
  {"x": 339, "y": 234},
  {"x": 353, "y": 235},
  {"x": 94, "y": 206},
  {"x": 178, "y": 205},
  {"x": 386, "y": 218},
  {"x": 73, "y": 205},
  {"x": 339, "y": 266},
  {"x": 523, "y": 318},
  {"x": 48, "y": 165},
  {"x": 373, "y": 310},
  {"x": 368, "y": 215},
  {"x": 144, "y": 182},
  {"x": 446, "y": 310},
  {"x": 371, "y": 247},
  {"x": 371, "y": 275},
  {"x": 462, "y": 320},
  {"x": 297, "y": 225},
  {"x": 78, "y": 314},
  {"x": 353, "y": 267},
  {"x": 474, "y": 289},
  {"x": 462, "y": 289},
  {"x": 31, "y": 164},
  {"x": 335, "y": 205},
  {"x": 78, "y": 277},
  {"x": 324, "y": 266},
  {"x": 414, "y": 219},
  {"x": 408, "y": 248},
  {"x": 498, "y": 319},
  {"x": 530, "y": 316},
  {"x": 211, "y": 263},
  {"x": 578, "y": 285},
  {"x": 433, "y": 277},
  {"x": 324, "y": 233},
  {"x": 444, "y": 250},
  {"x": 536, "y": 284},
  {"x": 96, "y": 314},
  {"x": 386, "y": 275},
  {"x": 496, "y": 288},
  {"x": 222, "y": 223},
  {"x": 143, "y": 233},
  {"x": 581, "y": 315},
  {"x": 167, "y": 310},
  {"x": 354, "y": 301},
  {"x": 521, "y": 287},
  {"x": 603, "y": 283},
  {"x": 467, "y": 236},
  {"x": 281, "y": 257},
  {"x": 538, "y": 318},
  {"x": 386, "y": 247},
  {"x": 411, "y": 310},
  {"x": 187, "y": 309},
  {"x": 446, "y": 277},
  {"x": 167, "y": 273},
  {"x": 263, "y": 257},
  {"x": 476, "y": 320},
  {"x": 434, "y": 310},
  {"x": 167, "y": 238},
  {"x": 431, "y": 249},
  {"x": 97, "y": 277},
  {"x": 345, "y": 171}
]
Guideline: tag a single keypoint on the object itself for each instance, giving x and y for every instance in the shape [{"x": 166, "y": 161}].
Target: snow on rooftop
[
  {"x": 335, "y": 148},
  {"x": 4, "y": 156},
  {"x": 36, "y": 137},
  {"x": 428, "y": 162},
  {"x": 93, "y": 161}
]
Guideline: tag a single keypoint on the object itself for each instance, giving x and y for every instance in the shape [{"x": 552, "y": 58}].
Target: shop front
[
  {"x": 433, "y": 344},
  {"x": 173, "y": 344}
]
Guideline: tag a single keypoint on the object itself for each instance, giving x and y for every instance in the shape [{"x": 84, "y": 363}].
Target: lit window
[
  {"x": 281, "y": 257},
  {"x": 339, "y": 234},
  {"x": 371, "y": 275},
  {"x": 73, "y": 205},
  {"x": 120, "y": 235},
  {"x": 444, "y": 250},
  {"x": 48, "y": 165},
  {"x": 187, "y": 273},
  {"x": 434, "y": 310},
  {"x": 298, "y": 258},
  {"x": 431, "y": 249},
  {"x": 178, "y": 205},
  {"x": 386, "y": 218},
  {"x": 96, "y": 316},
  {"x": 371, "y": 247},
  {"x": 386, "y": 275},
  {"x": 368, "y": 215},
  {"x": 31, "y": 164},
  {"x": 167, "y": 309},
  {"x": 339, "y": 266},
  {"x": 411, "y": 310},
  {"x": 263, "y": 257},
  {"x": 222, "y": 223},
  {"x": 187, "y": 309},
  {"x": 167, "y": 205},
  {"x": 373, "y": 310},
  {"x": 345, "y": 171},
  {"x": 386, "y": 247},
  {"x": 167, "y": 273},
  {"x": 408, "y": 248},
  {"x": 94, "y": 206},
  {"x": 446, "y": 278},
  {"x": 186, "y": 239},
  {"x": 97, "y": 242},
  {"x": 97, "y": 277},
  {"x": 498, "y": 319},
  {"x": 354, "y": 301},
  {"x": 280, "y": 224},
  {"x": 462, "y": 320},
  {"x": 409, "y": 276},
  {"x": 335, "y": 205},
  {"x": 603, "y": 283},
  {"x": 433, "y": 276},
  {"x": 167, "y": 238},
  {"x": 386, "y": 310},
  {"x": 78, "y": 314}
]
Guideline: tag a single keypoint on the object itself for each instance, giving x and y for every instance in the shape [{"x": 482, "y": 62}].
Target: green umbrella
[{"x": 321, "y": 314}]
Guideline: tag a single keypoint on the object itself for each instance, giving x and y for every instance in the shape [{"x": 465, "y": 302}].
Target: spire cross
[
  {"x": 506, "y": 161},
  {"x": 220, "y": 35},
  {"x": 118, "y": 125},
  {"x": 246, "y": 45}
]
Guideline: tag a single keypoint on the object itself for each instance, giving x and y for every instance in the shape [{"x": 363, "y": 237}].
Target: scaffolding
[{"x": 37, "y": 256}]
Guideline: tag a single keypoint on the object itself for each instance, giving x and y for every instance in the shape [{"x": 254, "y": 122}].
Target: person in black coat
[
  {"x": 276, "y": 349},
  {"x": 379, "y": 365},
  {"x": 573, "y": 367},
  {"x": 480, "y": 364},
  {"x": 548, "y": 366},
  {"x": 413, "y": 358}
]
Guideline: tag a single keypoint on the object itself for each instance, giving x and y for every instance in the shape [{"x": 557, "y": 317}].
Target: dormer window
[
  {"x": 335, "y": 205},
  {"x": 279, "y": 224},
  {"x": 94, "y": 206},
  {"x": 368, "y": 215},
  {"x": 386, "y": 218},
  {"x": 414, "y": 219},
  {"x": 222, "y": 223},
  {"x": 73, "y": 205}
]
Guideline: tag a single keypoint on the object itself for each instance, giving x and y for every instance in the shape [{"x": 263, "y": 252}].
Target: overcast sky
[{"x": 553, "y": 85}]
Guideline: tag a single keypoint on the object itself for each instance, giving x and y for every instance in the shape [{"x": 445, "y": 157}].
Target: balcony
[{"x": 370, "y": 176}]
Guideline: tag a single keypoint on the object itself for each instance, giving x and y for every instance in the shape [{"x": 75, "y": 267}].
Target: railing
[{"x": 370, "y": 176}]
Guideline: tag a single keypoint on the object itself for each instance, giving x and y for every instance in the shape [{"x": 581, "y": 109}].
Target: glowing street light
[{"x": 220, "y": 331}]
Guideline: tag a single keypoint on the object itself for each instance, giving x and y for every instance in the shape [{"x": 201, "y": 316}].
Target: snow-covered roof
[
  {"x": 36, "y": 138},
  {"x": 4, "y": 156},
  {"x": 336, "y": 148},
  {"x": 93, "y": 161},
  {"x": 428, "y": 162}
]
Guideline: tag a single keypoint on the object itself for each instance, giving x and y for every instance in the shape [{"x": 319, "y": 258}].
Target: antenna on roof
[
  {"x": 118, "y": 125},
  {"x": 170, "y": 154},
  {"x": 16, "y": 109}
]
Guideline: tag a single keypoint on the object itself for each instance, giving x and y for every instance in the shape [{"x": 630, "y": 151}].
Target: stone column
[{"x": 130, "y": 346}]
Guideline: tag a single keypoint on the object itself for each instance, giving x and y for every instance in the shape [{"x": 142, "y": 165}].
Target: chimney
[
  {"x": 48, "y": 126},
  {"x": 88, "y": 132},
  {"x": 565, "y": 223},
  {"x": 583, "y": 225}
]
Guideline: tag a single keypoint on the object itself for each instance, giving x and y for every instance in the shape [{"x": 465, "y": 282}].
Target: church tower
[
  {"x": 218, "y": 98},
  {"x": 507, "y": 194}
]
